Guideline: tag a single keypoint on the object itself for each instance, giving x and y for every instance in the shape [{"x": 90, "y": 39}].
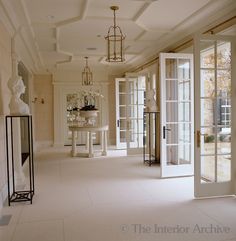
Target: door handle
[
  {"x": 118, "y": 123},
  {"x": 164, "y": 131}
]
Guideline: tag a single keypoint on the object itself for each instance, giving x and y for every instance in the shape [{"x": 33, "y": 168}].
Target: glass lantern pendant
[
  {"x": 87, "y": 75},
  {"x": 115, "y": 41}
]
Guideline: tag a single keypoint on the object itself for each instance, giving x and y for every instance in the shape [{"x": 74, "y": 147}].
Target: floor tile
[
  {"x": 115, "y": 198},
  {"x": 38, "y": 231}
]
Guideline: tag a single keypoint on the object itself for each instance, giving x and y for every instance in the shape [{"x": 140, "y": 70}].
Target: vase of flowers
[
  {"x": 88, "y": 109},
  {"x": 81, "y": 107}
]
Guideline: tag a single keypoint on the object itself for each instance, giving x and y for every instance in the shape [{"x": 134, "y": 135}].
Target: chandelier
[
  {"x": 87, "y": 75},
  {"x": 115, "y": 41}
]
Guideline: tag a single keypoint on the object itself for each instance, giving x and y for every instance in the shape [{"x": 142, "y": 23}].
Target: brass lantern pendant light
[
  {"x": 87, "y": 75},
  {"x": 115, "y": 41}
]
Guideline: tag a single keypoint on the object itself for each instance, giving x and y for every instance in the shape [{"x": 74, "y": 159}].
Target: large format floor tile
[{"x": 114, "y": 198}]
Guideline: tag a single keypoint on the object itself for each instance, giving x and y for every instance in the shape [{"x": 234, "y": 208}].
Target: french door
[
  {"x": 214, "y": 110},
  {"x": 130, "y": 93},
  {"x": 177, "y": 129}
]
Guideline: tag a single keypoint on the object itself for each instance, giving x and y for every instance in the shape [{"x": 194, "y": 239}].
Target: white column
[
  {"x": 87, "y": 140},
  {"x": 104, "y": 143},
  {"x": 90, "y": 144},
  {"x": 73, "y": 151}
]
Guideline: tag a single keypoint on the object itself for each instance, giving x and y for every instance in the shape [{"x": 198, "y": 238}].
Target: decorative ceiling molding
[
  {"x": 29, "y": 25},
  {"x": 141, "y": 11},
  {"x": 227, "y": 21},
  {"x": 75, "y": 19},
  {"x": 146, "y": 37},
  {"x": 14, "y": 28},
  {"x": 7, "y": 20},
  {"x": 64, "y": 61}
]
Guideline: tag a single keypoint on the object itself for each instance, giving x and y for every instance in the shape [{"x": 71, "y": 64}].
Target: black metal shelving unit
[
  {"x": 15, "y": 195},
  {"x": 149, "y": 137}
]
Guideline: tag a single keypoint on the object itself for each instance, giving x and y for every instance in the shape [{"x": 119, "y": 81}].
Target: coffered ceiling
[{"x": 60, "y": 33}]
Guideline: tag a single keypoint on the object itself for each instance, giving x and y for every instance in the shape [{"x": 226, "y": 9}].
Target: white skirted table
[{"x": 89, "y": 144}]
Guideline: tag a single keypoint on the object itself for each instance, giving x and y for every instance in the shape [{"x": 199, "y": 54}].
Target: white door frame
[
  {"x": 127, "y": 144},
  {"x": 213, "y": 188},
  {"x": 178, "y": 169}
]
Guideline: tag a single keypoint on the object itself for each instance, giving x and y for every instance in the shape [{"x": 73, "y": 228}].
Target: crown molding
[
  {"x": 23, "y": 34},
  {"x": 6, "y": 19}
]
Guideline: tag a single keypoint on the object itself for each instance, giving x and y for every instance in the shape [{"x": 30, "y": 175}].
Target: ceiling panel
[
  {"x": 136, "y": 48},
  {"x": 85, "y": 29},
  {"x": 90, "y": 28},
  {"x": 166, "y": 14},
  {"x": 45, "y": 45},
  {"x": 42, "y": 31},
  {"x": 79, "y": 46},
  {"x": 150, "y": 36},
  {"x": 52, "y": 57},
  {"x": 53, "y": 10},
  {"x": 101, "y": 8}
]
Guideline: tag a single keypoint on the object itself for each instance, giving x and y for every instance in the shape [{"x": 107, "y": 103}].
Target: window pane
[
  {"x": 171, "y": 112},
  {"x": 172, "y": 133},
  {"x": 224, "y": 83},
  {"x": 207, "y": 83},
  {"x": 171, "y": 69},
  {"x": 184, "y": 69},
  {"x": 185, "y": 132},
  {"x": 122, "y": 136},
  {"x": 208, "y": 168},
  {"x": 184, "y": 90},
  {"x": 184, "y": 153},
  {"x": 122, "y": 124},
  {"x": 224, "y": 141},
  {"x": 122, "y": 99},
  {"x": 171, "y": 90},
  {"x": 207, "y": 53},
  {"x": 208, "y": 141},
  {"x": 223, "y": 55},
  {"x": 122, "y": 87},
  {"x": 207, "y": 115},
  {"x": 122, "y": 111},
  {"x": 184, "y": 112},
  {"x": 223, "y": 168},
  {"x": 224, "y": 112},
  {"x": 140, "y": 98},
  {"x": 172, "y": 155}
]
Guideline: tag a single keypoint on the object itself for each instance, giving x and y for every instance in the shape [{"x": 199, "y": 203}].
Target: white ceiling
[{"x": 65, "y": 31}]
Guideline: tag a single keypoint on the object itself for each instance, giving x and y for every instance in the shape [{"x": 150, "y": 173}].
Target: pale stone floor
[{"x": 114, "y": 198}]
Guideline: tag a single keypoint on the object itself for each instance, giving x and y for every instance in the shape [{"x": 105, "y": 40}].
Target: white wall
[
  {"x": 5, "y": 73},
  {"x": 43, "y": 110},
  {"x": 67, "y": 82}
]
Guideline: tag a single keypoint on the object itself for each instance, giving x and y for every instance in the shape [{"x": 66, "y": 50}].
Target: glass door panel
[
  {"x": 121, "y": 123},
  {"x": 213, "y": 76},
  {"x": 135, "y": 107},
  {"x": 177, "y": 114},
  {"x": 130, "y": 93}
]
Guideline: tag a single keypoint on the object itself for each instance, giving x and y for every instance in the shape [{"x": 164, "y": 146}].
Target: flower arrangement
[
  {"x": 81, "y": 107},
  {"x": 87, "y": 99}
]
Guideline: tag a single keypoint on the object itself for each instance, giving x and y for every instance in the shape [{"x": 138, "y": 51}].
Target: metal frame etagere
[{"x": 15, "y": 195}]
